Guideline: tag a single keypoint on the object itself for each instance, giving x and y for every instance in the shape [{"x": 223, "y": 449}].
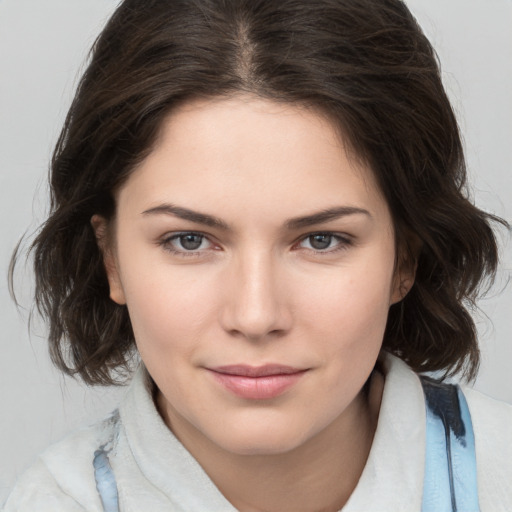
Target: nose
[{"x": 256, "y": 305}]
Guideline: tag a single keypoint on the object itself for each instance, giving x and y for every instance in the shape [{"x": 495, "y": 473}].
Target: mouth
[{"x": 257, "y": 382}]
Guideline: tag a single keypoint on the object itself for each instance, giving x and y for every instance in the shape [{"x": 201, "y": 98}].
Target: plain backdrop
[{"x": 43, "y": 45}]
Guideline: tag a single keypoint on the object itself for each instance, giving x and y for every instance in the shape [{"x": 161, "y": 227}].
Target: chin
[
  {"x": 261, "y": 448},
  {"x": 264, "y": 441}
]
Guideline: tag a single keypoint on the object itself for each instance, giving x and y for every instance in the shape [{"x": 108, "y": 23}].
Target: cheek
[
  {"x": 168, "y": 308},
  {"x": 347, "y": 316},
  {"x": 350, "y": 305}
]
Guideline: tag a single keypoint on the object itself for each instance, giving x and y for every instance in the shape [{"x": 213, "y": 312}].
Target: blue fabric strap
[
  {"x": 450, "y": 483},
  {"x": 103, "y": 474},
  {"x": 105, "y": 481}
]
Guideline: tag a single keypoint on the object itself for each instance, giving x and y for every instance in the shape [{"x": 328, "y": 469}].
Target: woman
[{"x": 264, "y": 201}]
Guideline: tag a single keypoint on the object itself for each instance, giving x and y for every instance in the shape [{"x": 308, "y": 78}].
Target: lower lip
[{"x": 258, "y": 388}]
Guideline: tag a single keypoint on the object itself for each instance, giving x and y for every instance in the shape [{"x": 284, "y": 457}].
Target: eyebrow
[
  {"x": 320, "y": 217},
  {"x": 186, "y": 214},
  {"x": 325, "y": 216}
]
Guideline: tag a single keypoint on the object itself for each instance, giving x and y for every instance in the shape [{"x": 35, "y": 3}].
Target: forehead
[{"x": 250, "y": 154}]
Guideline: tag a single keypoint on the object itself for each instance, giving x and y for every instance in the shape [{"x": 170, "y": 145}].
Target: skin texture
[{"x": 258, "y": 290}]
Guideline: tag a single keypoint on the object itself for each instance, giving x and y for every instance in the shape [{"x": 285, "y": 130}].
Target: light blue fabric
[
  {"x": 450, "y": 483},
  {"x": 105, "y": 481}
]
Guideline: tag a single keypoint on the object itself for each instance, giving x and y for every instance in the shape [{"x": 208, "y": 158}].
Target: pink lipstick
[{"x": 257, "y": 382}]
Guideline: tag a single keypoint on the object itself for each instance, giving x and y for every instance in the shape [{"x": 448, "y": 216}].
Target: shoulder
[
  {"x": 492, "y": 424},
  {"x": 490, "y": 416},
  {"x": 62, "y": 478}
]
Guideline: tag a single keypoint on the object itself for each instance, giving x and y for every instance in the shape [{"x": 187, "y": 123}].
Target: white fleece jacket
[{"x": 154, "y": 472}]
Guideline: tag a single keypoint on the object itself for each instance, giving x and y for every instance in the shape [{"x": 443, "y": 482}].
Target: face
[{"x": 256, "y": 260}]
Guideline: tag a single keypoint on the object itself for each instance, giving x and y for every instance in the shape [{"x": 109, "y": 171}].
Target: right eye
[{"x": 186, "y": 244}]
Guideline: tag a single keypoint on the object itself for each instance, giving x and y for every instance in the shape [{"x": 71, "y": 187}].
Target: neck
[{"x": 319, "y": 475}]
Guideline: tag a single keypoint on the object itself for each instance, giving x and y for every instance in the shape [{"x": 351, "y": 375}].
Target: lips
[{"x": 257, "y": 382}]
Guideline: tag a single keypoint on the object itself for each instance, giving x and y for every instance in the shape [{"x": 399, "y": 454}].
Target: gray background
[{"x": 43, "y": 45}]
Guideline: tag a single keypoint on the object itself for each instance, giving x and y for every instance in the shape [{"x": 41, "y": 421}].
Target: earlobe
[
  {"x": 408, "y": 255},
  {"x": 401, "y": 288},
  {"x": 100, "y": 227}
]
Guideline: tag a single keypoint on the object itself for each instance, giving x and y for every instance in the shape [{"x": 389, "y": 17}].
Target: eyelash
[{"x": 344, "y": 242}]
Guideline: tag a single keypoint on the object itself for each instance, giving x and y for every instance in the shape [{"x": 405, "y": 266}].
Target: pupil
[
  {"x": 191, "y": 242},
  {"x": 320, "y": 241}
]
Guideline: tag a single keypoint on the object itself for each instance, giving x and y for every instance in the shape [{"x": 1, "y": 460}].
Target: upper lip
[{"x": 245, "y": 370}]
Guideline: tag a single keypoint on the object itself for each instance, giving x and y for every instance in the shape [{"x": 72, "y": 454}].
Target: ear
[
  {"x": 405, "y": 269},
  {"x": 100, "y": 226},
  {"x": 402, "y": 283}
]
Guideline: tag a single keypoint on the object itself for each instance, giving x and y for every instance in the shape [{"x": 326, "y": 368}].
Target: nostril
[{"x": 255, "y": 325}]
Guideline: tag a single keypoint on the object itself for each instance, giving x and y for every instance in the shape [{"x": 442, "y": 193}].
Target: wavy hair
[{"x": 365, "y": 63}]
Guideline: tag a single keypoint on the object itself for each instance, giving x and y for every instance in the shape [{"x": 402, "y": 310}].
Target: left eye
[
  {"x": 322, "y": 241},
  {"x": 188, "y": 242}
]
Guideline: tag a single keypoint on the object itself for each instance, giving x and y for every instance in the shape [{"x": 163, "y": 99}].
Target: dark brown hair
[{"x": 366, "y": 63}]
